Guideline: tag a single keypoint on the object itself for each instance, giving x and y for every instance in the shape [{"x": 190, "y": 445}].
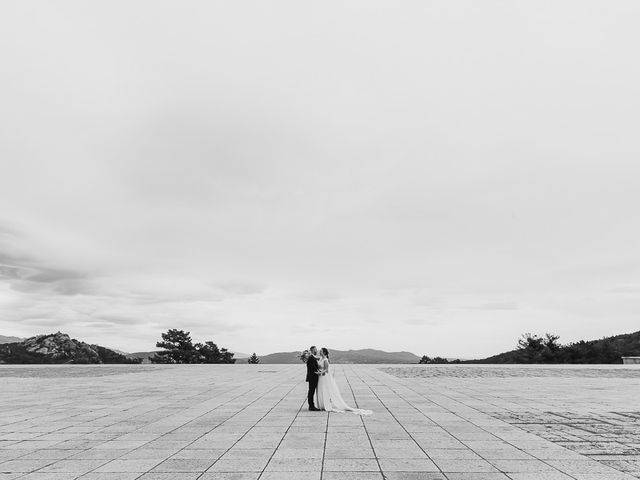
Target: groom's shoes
[{"x": 314, "y": 409}]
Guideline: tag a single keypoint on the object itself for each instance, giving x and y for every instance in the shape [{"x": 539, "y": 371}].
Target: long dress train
[{"x": 328, "y": 394}]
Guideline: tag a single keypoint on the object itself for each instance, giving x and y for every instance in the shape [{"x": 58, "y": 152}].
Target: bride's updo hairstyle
[{"x": 325, "y": 352}]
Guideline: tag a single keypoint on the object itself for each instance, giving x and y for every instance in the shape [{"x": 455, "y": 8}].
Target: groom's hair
[{"x": 312, "y": 347}]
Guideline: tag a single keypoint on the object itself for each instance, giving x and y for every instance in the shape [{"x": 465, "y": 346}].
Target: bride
[{"x": 328, "y": 394}]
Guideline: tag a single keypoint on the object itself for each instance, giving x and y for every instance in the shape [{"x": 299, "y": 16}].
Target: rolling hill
[
  {"x": 142, "y": 356},
  {"x": 367, "y": 355}
]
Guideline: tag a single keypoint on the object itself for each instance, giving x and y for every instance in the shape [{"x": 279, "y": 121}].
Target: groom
[{"x": 312, "y": 377}]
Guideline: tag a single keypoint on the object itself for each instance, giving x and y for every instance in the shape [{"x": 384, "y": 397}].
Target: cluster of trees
[
  {"x": 537, "y": 349},
  {"x": 178, "y": 348},
  {"x": 437, "y": 360},
  {"x": 532, "y": 348},
  {"x": 547, "y": 349}
]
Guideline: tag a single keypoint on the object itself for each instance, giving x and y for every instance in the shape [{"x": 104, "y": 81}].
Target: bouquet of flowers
[{"x": 304, "y": 355}]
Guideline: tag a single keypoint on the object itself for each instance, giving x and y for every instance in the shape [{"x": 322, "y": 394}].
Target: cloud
[
  {"x": 54, "y": 281},
  {"x": 116, "y": 320},
  {"x": 49, "y": 323},
  {"x": 495, "y": 306},
  {"x": 423, "y": 321},
  {"x": 238, "y": 288},
  {"x": 625, "y": 289},
  {"x": 9, "y": 272},
  {"x": 318, "y": 296},
  {"x": 29, "y": 274}
]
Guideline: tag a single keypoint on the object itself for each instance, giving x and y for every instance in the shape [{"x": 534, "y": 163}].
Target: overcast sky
[{"x": 437, "y": 177}]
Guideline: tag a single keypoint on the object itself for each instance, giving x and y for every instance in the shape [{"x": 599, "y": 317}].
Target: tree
[
  {"x": 208, "y": 352},
  {"x": 536, "y": 349},
  {"x": 177, "y": 348},
  {"x": 551, "y": 342},
  {"x": 253, "y": 359},
  {"x": 438, "y": 360},
  {"x": 531, "y": 342},
  {"x": 530, "y": 348}
]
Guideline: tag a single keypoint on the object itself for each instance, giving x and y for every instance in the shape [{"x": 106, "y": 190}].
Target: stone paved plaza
[{"x": 249, "y": 422}]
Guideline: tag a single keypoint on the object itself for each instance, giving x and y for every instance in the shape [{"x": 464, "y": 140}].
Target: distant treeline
[
  {"x": 547, "y": 349},
  {"x": 437, "y": 360}
]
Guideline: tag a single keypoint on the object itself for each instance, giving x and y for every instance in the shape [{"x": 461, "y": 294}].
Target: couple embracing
[{"x": 323, "y": 387}]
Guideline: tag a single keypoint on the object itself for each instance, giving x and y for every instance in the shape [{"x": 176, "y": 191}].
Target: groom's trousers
[{"x": 313, "y": 385}]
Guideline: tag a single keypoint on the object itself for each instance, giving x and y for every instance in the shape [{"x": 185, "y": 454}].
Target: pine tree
[
  {"x": 253, "y": 358},
  {"x": 210, "y": 353},
  {"x": 177, "y": 346}
]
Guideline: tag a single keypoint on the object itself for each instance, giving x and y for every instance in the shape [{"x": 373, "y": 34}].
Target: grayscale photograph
[{"x": 289, "y": 240}]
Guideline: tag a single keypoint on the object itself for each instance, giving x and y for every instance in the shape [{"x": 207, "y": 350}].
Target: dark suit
[{"x": 312, "y": 378}]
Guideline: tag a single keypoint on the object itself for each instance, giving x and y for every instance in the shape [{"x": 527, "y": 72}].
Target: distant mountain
[
  {"x": 118, "y": 351},
  {"x": 142, "y": 356},
  {"x": 281, "y": 357},
  {"x": 57, "y": 348},
  {"x": 4, "y": 339},
  {"x": 240, "y": 355},
  {"x": 604, "y": 350},
  {"x": 367, "y": 355}
]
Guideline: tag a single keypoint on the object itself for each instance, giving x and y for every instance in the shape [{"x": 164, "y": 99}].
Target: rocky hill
[
  {"x": 58, "y": 348},
  {"x": 367, "y": 355}
]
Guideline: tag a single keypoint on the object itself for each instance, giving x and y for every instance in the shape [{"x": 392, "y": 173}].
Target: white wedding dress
[{"x": 328, "y": 395}]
